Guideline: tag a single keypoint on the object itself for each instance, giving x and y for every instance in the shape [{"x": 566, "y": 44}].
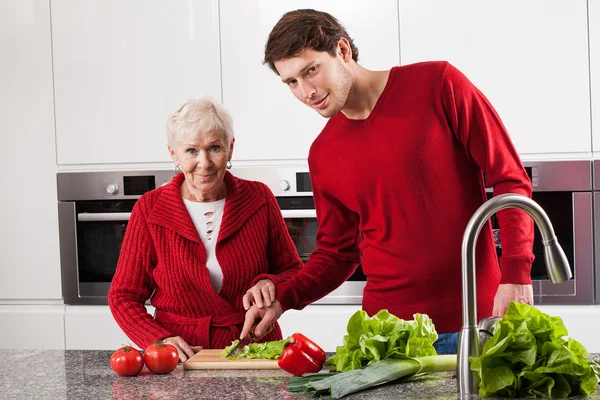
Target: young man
[{"x": 397, "y": 173}]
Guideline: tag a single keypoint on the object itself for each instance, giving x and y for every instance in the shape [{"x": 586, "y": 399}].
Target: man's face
[{"x": 317, "y": 79}]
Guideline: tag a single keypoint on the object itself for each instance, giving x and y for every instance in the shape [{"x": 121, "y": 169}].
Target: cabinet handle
[
  {"x": 114, "y": 216},
  {"x": 299, "y": 213}
]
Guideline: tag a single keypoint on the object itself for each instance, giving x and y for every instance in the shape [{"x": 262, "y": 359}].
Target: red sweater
[
  {"x": 395, "y": 192},
  {"x": 162, "y": 253}
]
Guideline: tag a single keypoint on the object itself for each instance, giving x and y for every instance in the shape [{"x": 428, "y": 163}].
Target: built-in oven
[
  {"x": 292, "y": 189},
  {"x": 94, "y": 208},
  {"x": 564, "y": 190}
]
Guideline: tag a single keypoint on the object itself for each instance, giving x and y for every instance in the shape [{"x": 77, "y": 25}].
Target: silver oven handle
[
  {"x": 299, "y": 213},
  {"x": 92, "y": 217}
]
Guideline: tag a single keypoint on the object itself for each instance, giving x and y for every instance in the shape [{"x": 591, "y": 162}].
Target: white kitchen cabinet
[
  {"x": 29, "y": 256},
  {"x": 530, "y": 58},
  {"x": 594, "y": 31},
  {"x": 582, "y": 322},
  {"x": 32, "y": 327},
  {"x": 121, "y": 67},
  {"x": 324, "y": 324},
  {"x": 93, "y": 328},
  {"x": 269, "y": 122}
]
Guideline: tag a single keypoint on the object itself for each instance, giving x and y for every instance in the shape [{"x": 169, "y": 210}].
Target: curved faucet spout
[{"x": 557, "y": 266}]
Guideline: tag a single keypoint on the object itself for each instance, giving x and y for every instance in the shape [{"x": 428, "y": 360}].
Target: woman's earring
[
  {"x": 177, "y": 169},
  {"x": 229, "y": 164}
]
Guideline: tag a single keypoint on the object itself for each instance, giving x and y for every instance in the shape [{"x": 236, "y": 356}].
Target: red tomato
[
  {"x": 127, "y": 361},
  {"x": 161, "y": 358}
]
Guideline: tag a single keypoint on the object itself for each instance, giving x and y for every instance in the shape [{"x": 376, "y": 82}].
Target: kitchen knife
[{"x": 244, "y": 342}]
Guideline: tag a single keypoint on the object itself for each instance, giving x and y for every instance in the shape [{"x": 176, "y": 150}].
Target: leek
[{"x": 387, "y": 370}]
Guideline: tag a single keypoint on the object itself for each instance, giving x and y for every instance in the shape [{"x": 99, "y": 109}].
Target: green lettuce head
[
  {"x": 528, "y": 356},
  {"x": 384, "y": 335}
]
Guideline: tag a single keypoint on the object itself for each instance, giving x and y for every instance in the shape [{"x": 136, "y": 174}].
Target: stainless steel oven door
[
  {"x": 89, "y": 248},
  {"x": 580, "y": 289},
  {"x": 302, "y": 226},
  {"x": 564, "y": 190}
]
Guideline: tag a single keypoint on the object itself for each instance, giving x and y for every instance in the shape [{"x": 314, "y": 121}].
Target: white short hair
[{"x": 196, "y": 116}]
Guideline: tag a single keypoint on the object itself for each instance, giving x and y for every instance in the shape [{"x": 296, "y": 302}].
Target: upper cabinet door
[
  {"x": 594, "y": 16},
  {"x": 530, "y": 58},
  {"x": 269, "y": 122},
  {"x": 121, "y": 67}
]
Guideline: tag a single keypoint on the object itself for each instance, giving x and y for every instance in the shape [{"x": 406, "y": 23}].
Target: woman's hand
[
  {"x": 185, "y": 350},
  {"x": 262, "y": 294}
]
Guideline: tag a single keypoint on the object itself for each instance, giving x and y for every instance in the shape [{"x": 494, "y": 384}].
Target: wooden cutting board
[{"x": 212, "y": 359}]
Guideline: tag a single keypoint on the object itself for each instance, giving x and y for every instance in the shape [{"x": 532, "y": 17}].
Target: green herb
[
  {"x": 267, "y": 350},
  {"x": 528, "y": 357},
  {"x": 384, "y": 335},
  {"x": 380, "y": 372}
]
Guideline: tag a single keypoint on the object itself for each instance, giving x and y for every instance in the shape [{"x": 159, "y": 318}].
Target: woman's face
[{"x": 203, "y": 160}]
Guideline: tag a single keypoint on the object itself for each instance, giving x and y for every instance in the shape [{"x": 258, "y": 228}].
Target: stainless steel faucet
[{"x": 557, "y": 265}]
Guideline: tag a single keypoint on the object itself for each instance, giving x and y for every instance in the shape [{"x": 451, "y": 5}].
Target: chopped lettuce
[
  {"x": 382, "y": 336},
  {"x": 268, "y": 350},
  {"x": 528, "y": 356}
]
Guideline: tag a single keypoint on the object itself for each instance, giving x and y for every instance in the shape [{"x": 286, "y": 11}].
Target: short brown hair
[{"x": 305, "y": 29}]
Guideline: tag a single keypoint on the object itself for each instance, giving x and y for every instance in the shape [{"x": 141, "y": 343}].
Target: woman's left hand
[{"x": 262, "y": 294}]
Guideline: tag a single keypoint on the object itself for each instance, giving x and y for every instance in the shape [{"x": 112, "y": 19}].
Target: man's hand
[
  {"x": 262, "y": 294},
  {"x": 185, "y": 350},
  {"x": 267, "y": 317},
  {"x": 507, "y": 292}
]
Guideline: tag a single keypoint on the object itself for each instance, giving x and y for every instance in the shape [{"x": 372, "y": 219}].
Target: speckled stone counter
[{"x": 83, "y": 375}]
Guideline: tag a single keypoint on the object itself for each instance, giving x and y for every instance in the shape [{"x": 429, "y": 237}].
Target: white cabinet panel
[
  {"x": 94, "y": 328},
  {"x": 323, "y": 324},
  {"x": 582, "y": 322},
  {"x": 121, "y": 67},
  {"x": 269, "y": 122},
  {"x": 32, "y": 327},
  {"x": 29, "y": 257},
  {"x": 530, "y": 58},
  {"x": 326, "y": 324},
  {"x": 594, "y": 31}
]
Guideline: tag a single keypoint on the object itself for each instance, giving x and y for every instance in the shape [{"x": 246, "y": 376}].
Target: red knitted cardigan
[{"x": 162, "y": 257}]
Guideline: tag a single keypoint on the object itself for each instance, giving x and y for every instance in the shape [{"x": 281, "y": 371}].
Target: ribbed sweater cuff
[
  {"x": 286, "y": 295},
  {"x": 153, "y": 336},
  {"x": 516, "y": 269},
  {"x": 271, "y": 277}
]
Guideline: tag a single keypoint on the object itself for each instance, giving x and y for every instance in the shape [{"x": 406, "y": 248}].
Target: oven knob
[
  {"x": 284, "y": 185},
  {"x": 112, "y": 188}
]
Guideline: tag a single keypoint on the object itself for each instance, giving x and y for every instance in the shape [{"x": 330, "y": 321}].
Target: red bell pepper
[{"x": 301, "y": 356}]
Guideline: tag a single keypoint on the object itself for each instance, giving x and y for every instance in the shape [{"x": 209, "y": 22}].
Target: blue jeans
[{"x": 447, "y": 343}]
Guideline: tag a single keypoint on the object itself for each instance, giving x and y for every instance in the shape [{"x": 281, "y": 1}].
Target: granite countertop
[{"x": 83, "y": 375}]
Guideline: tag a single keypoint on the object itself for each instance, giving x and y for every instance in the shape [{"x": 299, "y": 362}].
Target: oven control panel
[{"x": 109, "y": 185}]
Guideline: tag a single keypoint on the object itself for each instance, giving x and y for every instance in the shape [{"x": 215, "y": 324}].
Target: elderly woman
[{"x": 200, "y": 243}]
